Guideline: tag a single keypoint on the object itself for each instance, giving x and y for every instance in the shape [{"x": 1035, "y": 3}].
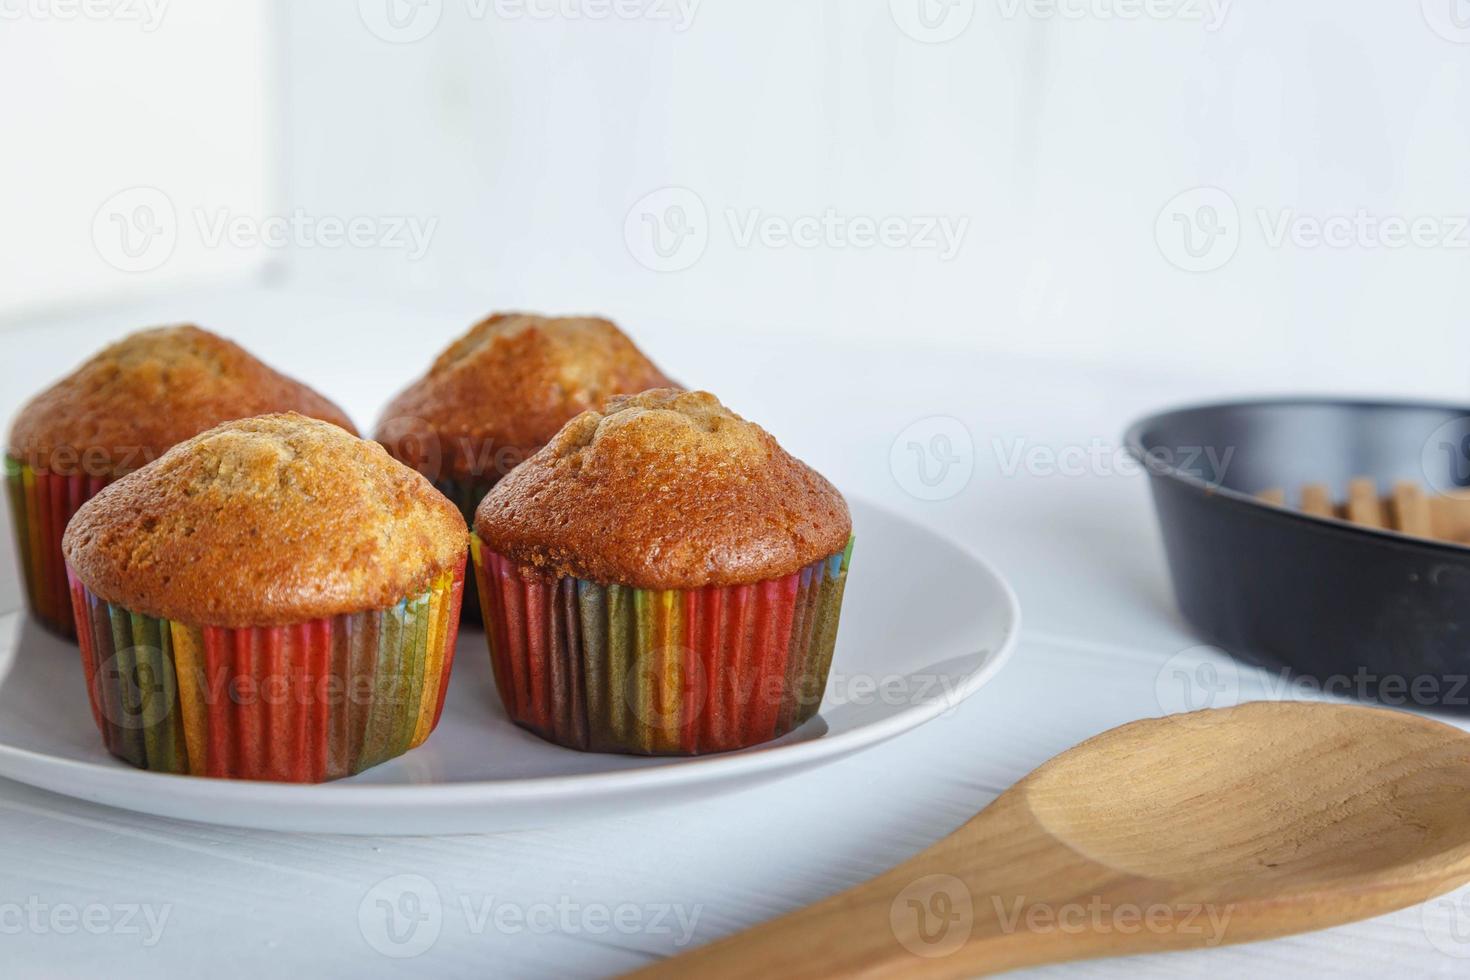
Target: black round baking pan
[{"x": 1361, "y": 611}]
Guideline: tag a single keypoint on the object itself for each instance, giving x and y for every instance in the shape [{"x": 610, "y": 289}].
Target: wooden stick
[
  {"x": 1407, "y": 509},
  {"x": 1317, "y": 500},
  {"x": 1410, "y": 509},
  {"x": 1450, "y": 517},
  {"x": 1362, "y": 503}
]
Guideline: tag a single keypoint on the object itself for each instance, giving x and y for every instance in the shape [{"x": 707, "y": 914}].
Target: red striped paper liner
[
  {"x": 41, "y": 504},
  {"x": 609, "y": 668},
  {"x": 302, "y": 703}
]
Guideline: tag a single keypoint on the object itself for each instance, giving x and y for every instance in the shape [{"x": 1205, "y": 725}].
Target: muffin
[
  {"x": 500, "y": 392},
  {"x": 123, "y": 408},
  {"x": 661, "y": 579},
  {"x": 272, "y": 599}
]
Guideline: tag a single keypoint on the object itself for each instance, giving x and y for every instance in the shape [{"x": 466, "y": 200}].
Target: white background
[
  {"x": 526, "y": 131},
  {"x": 528, "y": 143}
]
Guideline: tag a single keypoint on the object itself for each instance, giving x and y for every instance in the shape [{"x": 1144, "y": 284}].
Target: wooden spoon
[{"x": 1195, "y": 830}]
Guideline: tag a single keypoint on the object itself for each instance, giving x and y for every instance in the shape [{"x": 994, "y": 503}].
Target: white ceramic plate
[{"x": 924, "y": 625}]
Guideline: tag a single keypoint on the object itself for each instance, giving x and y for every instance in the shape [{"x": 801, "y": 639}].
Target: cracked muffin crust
[
  {"x": 664, "y": 490},
  {"x": 263, "y": 522},
  {"x": 500, "y": 392},
  {"x": 136, "y": 398}
]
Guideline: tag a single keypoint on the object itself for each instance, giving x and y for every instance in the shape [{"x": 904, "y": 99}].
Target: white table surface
[{"x": 1081, "y": 550}]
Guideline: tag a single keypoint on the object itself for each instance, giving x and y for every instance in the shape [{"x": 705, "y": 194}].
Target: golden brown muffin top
[
  {"x": 265, "y": 522},
  {"x": 151, "y": 390},
  {"x": 500, "y": 392},
  {"x": 664, "y": 490}
]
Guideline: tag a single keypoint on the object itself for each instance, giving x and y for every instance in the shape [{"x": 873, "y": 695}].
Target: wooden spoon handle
[
  {"x": 938, "y": 914},
  {"x": 850, "y": 935}
]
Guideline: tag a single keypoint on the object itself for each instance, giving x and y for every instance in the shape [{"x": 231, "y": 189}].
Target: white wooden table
[{"x": 78, "y": 883}]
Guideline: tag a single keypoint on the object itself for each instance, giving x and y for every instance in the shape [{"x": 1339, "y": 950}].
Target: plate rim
[{"x": 16, "y": 762}]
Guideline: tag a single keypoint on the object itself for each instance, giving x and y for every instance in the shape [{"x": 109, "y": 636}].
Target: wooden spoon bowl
[{"x": 1195, "y": 830}]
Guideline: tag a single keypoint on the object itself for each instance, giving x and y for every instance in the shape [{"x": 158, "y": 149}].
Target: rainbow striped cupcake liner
[
  {"x": 41, "y": 504},
  {"x": 466, "y": 495},
  {"x": 609, "y": 668},
  {"x": 302, "y": 704}
]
